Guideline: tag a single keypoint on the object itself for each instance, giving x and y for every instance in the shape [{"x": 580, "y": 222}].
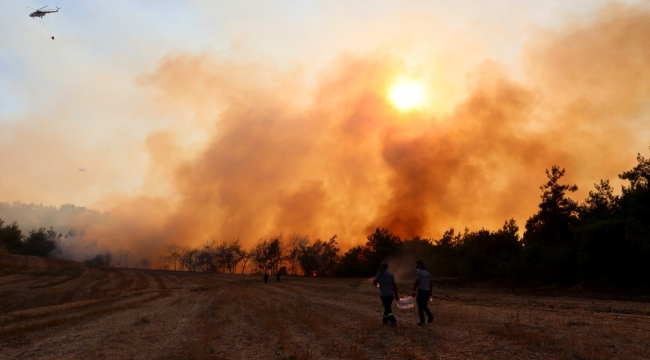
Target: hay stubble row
[{"x": 57, "y": 309}]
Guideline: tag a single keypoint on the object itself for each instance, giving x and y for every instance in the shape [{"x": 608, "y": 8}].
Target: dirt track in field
[{"x": 57, "y": 309}]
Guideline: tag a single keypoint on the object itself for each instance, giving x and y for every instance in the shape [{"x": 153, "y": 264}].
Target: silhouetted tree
[
  {"x": 296, "y": 242},
  {"x": 189, "y": 258},
  {"x": 636, "y": 203},
  {"x": 259, "y": 255},
  {"x": 490, "y": 254},
  {"x": 245, "y": 258},
  {"x": 363, "y": 260},
  {"x": 174, "y": 256},
  {"x": 11, "y": 238},
  {"x": 207, "y": 258},
  {"x": 274, "y": 253},
  {"x": 635, "y": 208},
  {"x": 105, "y": 259},
  {"x": 549, "y": 248},
  {"x": 349, "y": 264},
  {"x": 40, "y": 242},
  {"x": 553, "y": 223},
  {"x": 600, "y": 204},
  {"x": 445, "y": 259},
  {"x": 238, "y": 255},
  {"x": 601, "y": 236},
  {"x": 268, "y": 254},
  {"x": 319, "y": 258},
  {"x": 380, "y": 245}
]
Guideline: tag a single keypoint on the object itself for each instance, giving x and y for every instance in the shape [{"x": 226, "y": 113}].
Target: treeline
[
  {"x": 39, "y": 242},
  {"x": 48, "y": 242},
  {"x": 605, "y": 239},
  {"x": 122, "y": 259},
  {"x": 60, "y": 219},
  {"x": 292, "y": 255}
]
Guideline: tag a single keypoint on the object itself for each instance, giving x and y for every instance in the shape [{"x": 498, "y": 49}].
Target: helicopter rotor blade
[
  {"x": 31, "y": 8},
  {"x": 43, "y": 7}
]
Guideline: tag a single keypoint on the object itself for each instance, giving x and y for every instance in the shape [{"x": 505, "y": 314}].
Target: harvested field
[{"x": 57, "y": 309}]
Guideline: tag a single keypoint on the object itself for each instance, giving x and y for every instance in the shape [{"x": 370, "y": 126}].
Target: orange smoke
[
  {"x": 346, "y": 161},
  {"x": 260, "y": 150}
]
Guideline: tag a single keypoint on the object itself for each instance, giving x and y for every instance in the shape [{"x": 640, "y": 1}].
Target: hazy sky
[{"x": 163, "y": 101}]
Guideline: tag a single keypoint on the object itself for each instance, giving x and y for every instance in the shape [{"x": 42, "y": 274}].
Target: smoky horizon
[{"x": 208, "y": 145}]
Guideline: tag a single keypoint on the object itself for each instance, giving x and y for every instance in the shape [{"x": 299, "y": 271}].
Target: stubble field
[{"x": 56, "y": 309}]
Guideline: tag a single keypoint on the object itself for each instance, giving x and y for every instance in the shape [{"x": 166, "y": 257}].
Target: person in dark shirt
[
  {"x": 423, "y": 285},
  {"x": 266, "y": 278},
  {"x": 387, "y": 291},
  {"x": 277, "y": 276}
]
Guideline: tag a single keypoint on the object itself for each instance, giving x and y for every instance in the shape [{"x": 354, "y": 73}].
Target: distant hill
[{"x": 62, "y": 219}]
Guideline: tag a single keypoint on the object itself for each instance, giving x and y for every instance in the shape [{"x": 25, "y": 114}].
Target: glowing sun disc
[{"x": 407, "y": 95}]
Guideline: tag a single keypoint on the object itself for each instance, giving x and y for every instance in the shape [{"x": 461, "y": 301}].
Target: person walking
[
  {"x": 277, "y": 276},
  {"x": 423, "y": 285},
  {"x": 387, "y": 291},
  {"x": 266, "y": 278}
]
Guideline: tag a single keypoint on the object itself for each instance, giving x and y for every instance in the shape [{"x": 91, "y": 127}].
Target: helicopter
[
  {"x": 82, "y": 169},
  {"x": 40, "y": 12}
]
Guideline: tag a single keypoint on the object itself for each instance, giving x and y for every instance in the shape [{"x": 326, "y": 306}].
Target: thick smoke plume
[{"x": 262, "y": 150}]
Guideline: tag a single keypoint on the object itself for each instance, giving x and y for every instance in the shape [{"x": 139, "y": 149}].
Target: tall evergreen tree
[{"x": 549, "y": 251}]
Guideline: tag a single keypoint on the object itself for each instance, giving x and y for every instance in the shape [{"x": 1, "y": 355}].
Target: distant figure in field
[
  {"x": 266, "y": 278},
  {"x": 423, "y": 285},
  {"x": 277, "y": 276},
  {"x": 387, "y": 291}
]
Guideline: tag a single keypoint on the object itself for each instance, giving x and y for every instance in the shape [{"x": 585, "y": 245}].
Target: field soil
[{"x": 57, "y": 309}]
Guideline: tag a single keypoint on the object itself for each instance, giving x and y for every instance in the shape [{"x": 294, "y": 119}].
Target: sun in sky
[{"x": 407, "y": 95}]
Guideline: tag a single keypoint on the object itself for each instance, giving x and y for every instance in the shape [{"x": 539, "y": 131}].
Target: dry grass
[{"x": 49, "y": 312}]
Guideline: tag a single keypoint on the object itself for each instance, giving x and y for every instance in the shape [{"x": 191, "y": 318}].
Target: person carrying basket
[
  {"x": 387, "y": 291},
  {"x": 423, "y": 285}
]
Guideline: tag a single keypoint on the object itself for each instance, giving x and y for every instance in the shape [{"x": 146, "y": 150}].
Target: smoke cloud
[{"x": 262, "y": 149}]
